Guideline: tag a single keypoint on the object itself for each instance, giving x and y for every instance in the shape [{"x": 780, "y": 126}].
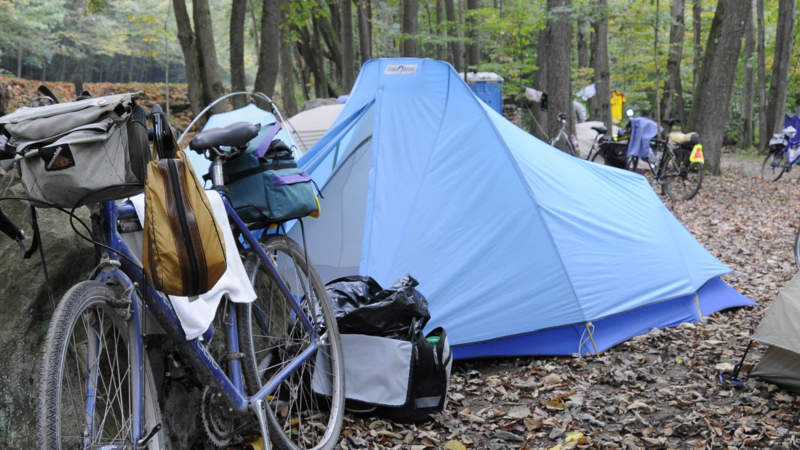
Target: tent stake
[
  {"x": 596, "y": 353},
  {"x": 697, "y": 304}
]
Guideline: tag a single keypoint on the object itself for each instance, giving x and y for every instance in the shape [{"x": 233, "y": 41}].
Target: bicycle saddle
[
  {"x": 236, "y": 134},
  {"x": 600, "y": 129},
  {"x": 671, "y": 122},
  {"x": 681, "y": 138}
]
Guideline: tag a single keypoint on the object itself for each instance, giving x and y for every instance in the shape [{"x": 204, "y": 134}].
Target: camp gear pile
[
  {"x": 391, "y": 368},
  {"x": 80, "y": 152}
]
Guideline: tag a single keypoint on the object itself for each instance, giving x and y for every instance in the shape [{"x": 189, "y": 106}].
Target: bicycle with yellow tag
[{"x": 677, "y": 162}]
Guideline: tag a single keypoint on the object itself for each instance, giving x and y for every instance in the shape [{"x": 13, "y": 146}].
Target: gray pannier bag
[
  {"x": 75, "y": 153},
  {"x": 391, "y": 368}
]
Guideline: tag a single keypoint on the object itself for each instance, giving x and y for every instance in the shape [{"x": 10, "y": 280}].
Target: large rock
[{"x": 26, "y": 308}]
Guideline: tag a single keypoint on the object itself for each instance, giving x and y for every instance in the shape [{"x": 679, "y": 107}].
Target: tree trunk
[
  {"x": 474, "y": 50},
  {"x": 658, "y": 117},
  {"x": 747, "y": 86},
  {"x": 191, "y": 59},
  {"x": 441, "y": 52},
  {"x": 3, "y": 99},
  {"x": 697, "y": 24},
  {"x": 62, "y": 68},
  {"x": 559, "y": 88},
  {"x": 583, "y": 43},
  {"x": 269, "y": 53},
  {"x": 238, "y": 13},
  {"x": 347, "y": 46},
  {"x": 329, "y": 27},
  {"x": 602, "y": 79},
  {"x": 19, "y": 58},
  {"x": 712, "y": 98},
  {"x": 207, "y": 52},
  {"x": 780, "y": 65},
  {"x": 539, "y": 127},
  {"x": 673, "y": 95},
  {"x": 318, "y": 67},
  {"x": 455, "y": 45},
  {"x": 364, "y": 36},
  {"x": 287, "y": 68},
  {"x": 410, "y": 44},
  {"x": 254, "y": 21},
  {"x": 763, "y": 134}
]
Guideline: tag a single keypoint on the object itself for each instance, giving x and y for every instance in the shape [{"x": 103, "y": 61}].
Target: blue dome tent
[{"x": 519, "y": 248}]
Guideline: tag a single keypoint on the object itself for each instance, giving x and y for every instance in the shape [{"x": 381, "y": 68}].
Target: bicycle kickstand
[{"x": 258, "y": 408}]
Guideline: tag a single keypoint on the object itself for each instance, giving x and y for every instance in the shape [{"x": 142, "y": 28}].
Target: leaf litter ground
[{"x": 657, "y": 390}]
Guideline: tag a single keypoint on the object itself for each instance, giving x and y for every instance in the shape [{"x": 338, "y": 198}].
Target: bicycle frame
[
  {"x": 130, "y": 277},
  {"x": 780, "y": 153}
]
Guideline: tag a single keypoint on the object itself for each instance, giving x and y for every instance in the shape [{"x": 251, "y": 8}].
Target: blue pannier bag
[{"x": 269, "y": 188}]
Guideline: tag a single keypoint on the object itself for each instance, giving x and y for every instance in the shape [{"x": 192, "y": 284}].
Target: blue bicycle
[
  {"x": 274, "y": 369},
  {"x": 782, "y": 154}
]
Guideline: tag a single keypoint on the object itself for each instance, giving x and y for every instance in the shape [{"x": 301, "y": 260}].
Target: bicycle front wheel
[
  {"x": 307, "y": 408},
  {"x": 774, "y": 165},
  {"x": 87, "y": 381}
]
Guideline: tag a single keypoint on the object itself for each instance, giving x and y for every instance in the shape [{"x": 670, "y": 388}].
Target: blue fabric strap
[{"x": 264, "y": 145}]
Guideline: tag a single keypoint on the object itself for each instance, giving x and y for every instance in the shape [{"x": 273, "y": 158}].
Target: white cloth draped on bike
[{"x": 197, "y": 313}]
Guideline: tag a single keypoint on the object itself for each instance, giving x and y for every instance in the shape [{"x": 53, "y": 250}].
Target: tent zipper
[{"x": 187, "y": 241}]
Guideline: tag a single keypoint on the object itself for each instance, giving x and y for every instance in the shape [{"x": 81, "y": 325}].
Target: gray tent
[{"x": 780, "y": 328}]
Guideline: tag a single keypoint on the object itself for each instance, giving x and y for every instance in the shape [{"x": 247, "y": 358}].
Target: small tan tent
[
  {"x": 780, "y": 328},
  {"x": 309, "y": 126}
]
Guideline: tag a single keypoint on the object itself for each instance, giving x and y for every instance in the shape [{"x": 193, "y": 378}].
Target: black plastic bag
[{"x": 362, "y": 306}]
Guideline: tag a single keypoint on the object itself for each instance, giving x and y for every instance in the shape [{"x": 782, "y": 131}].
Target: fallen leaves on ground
[{"x": 657, "y": 390}]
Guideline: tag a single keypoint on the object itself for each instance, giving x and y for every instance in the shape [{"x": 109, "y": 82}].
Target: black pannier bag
[
  {"x": 391, "y": 368},
  {"x": 615, "y": 153}
]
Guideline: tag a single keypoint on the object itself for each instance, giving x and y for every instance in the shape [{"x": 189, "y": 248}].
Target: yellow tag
[
  {"x": 315, "y": 214},
  {"x": 697, "y": 154}
]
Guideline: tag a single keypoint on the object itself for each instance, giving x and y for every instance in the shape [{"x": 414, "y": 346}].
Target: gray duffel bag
[{"x": 76, "y": 153}]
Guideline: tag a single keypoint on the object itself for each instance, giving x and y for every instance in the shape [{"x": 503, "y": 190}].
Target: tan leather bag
[{"x": 184, "y": 250}]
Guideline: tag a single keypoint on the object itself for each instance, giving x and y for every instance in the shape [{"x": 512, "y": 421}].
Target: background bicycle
[
  {"x": 564, "y": 141},
  {"x": 783, "y": 152},
  {"x": 679, "y": 172}
]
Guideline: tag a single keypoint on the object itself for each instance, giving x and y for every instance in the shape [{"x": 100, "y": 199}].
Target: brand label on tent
[{"x": 400, "y": 69}]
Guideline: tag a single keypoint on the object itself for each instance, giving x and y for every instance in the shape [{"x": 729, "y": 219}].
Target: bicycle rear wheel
[
  {"x": 774, "y": 165},
  {"x": 682, "y": 180},
  {"x": 86, "y": 383},
  {"x": 307, "y": 408}
]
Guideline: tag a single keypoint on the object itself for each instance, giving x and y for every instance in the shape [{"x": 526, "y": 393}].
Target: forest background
[{"x": 671, "y": 58}]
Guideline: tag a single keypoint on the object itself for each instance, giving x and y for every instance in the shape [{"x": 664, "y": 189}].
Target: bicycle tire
[
  {"x": 267, "y": 351},
  {"x": 598, "y": 158},
  {"x": 797, "y": 248},
  {"x": 85, "y": 312},
  {"x": 769, "y": 170},
  {"x": 682, "y": 182}
]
